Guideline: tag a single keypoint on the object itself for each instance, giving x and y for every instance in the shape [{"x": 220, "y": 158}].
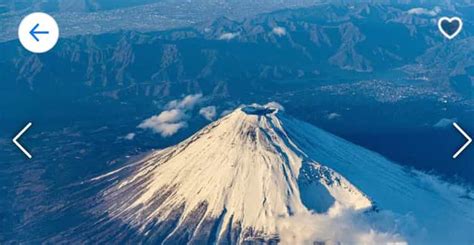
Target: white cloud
[
  {"x": 130, "y": 136},
  {"x": 173, "y": 115},
  {"x": 344, "y": 227},
  {"x": 166, "y": 123},
  {"x": 186, "y": 103},
  {"x": 423, "y": 11},
  {"x": 208, "y": 112},
  {"x": 279, "y": 31},
  {"x": 228, "y": 36},
  {"x": 170, "y": 121},
  {"x": 168, "y": 129}
]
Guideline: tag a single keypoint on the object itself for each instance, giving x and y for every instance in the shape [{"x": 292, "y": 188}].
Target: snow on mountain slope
[
  {"x": 444, "y": 212},
  {"x": 248, "y": 177}
]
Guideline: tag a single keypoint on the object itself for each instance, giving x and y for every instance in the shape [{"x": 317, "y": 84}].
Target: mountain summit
[{"x": 235, "y": 180}]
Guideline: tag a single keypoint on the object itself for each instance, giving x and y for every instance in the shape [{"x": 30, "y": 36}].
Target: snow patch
[
  {"x": 228, "y": 36},
  {"x": 279, "y": 31},
  {"x": 130, "y": 136},
  {"x": 445, "y": 122},
  {"x": 333, "y": 116},
  {"x": 422, "y": 11}
]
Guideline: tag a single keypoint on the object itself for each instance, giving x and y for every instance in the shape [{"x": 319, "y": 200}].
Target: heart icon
[{"x": 450, "y": 27}]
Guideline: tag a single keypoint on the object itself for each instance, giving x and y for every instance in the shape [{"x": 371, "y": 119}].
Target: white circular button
[{"x": 38, "y": 32}]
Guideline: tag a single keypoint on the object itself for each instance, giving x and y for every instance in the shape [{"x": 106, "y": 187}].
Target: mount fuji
[{"x": 259, "y": 176}]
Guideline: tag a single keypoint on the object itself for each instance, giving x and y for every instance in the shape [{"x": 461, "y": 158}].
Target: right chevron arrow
[{"x": 469, "y": 140}]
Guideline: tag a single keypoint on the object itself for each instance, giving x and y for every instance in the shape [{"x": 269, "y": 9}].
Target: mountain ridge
[{"x": 236, "y": 180}]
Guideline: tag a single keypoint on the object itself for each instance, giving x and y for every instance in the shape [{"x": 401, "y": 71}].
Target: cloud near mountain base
[{"x": 344, "y": 227}]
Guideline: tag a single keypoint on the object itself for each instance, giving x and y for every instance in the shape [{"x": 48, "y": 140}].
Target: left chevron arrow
[{"x": 18, "y": 136}]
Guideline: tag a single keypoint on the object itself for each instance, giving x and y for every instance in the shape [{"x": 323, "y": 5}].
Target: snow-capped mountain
[{"x": 257, "y": 175}]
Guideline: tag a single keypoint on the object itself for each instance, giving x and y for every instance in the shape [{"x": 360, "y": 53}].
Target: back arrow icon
[
  {"x": 15, "y": 141},
  {"x": 469, "y": 140},
  {"x": 34, "y": 32}
]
